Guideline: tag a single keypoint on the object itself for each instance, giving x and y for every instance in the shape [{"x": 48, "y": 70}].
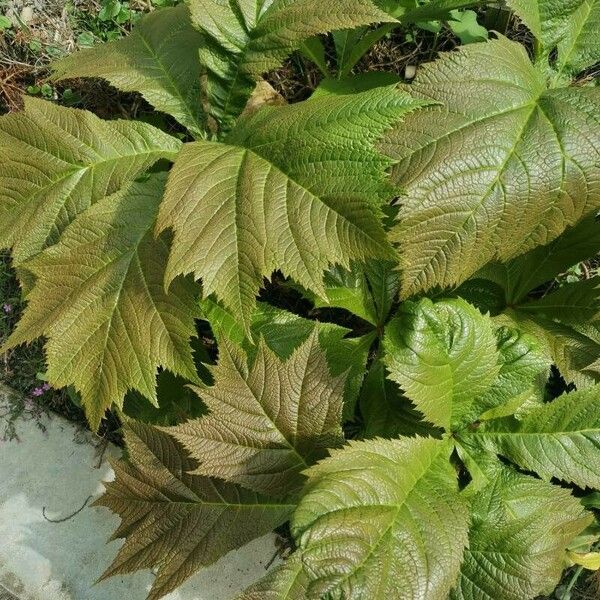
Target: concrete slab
[{"x": 54, "y": 472}]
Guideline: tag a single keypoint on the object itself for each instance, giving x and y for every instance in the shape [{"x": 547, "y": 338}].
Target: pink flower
[
  {"x": 38, "y": 391},
  {"x": 7, "y": 308}
]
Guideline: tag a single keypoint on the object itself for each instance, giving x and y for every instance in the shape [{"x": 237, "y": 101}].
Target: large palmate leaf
[
  {"x": 246, "y": 38},
  {"x": 453, "y": 365},
  {"x": 176, "y": 521},
  {"x": 159, "y": 59},
  {"x": 55, "y": 162},
  {"x": 296, "y": 188},
  {"x": 383, "y": 520},
  {"x": 99, "y": 300},
  {"x": 548, "y": 20},
  {"x": 328, "y": 143},
  {"x": 503, "y": 166},
  {"x": 559, "y": 439},
  {"x": 520, "y": 528},
  {"x": 268, "y": 421},
  {"x": 580, "y": 46}
]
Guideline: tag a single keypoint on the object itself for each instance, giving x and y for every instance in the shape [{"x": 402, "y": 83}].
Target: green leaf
[
  {"x": 349, "y": 356},
  {"x": 288, "y": 581},
  {"x": 344, "y": 42},
  {"x": 520, "y": 528},
  {"x": 283, "y": 332},
  {"x": 548, "y": 20},
  {"x": 110, "y": 10},
  {"x": 175, "y": 521},
  {"x": 383, "y": 519},
  {"x": 176, "y": 402},
  {"x": 591, "y": 500},
  {"x": 541, "y": 265},
  {"x": 465, "y": 27},
  {"x": 245, "y": 39},
  {"x": 282, "y": 193},
  {"x": 384, "y": 283},
  {"x": 396, "y": 7},
  {"x": 524, "y": 371},
  {"x": 159, "y": 59},
  {"x": 437, "y": 10},
  {"x": 456, "y": 366},
  {"x": 314, "y": 49},
  {"x": 574, "y": 349},
  {"x": 268, "y": 421},
  {"x": 386, "y": 412},
  {"x": 355, "y": 83},
  {"x": 571, "y": 303},
  {"x": 56, "y": 162},
  {"x": 570, "y": 337},
  {"x": 100, "y": 302},
  {"x": 559, "y": 439},
  {"x": 579, "y": 48},
  {"x": 503, "y": 166},
  {"x": 444, "y": 357},
  {"x": 352, "y": 44},
  {"x": 348, "y": 290}
]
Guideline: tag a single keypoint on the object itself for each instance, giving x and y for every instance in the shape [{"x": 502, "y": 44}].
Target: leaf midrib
[
  {"x": 174, "y": 88},
  {"x": 201, "y": 503},
  {"x": 533, "y": 106},
  {"x": 397, "y": 509},
  {"x": 286, "y": 442},
  {"x": 564, "y": 62}
]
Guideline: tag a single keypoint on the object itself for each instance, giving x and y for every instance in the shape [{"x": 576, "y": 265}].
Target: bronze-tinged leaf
[
  {"x": 99, "y": 300},
  {"x": 175, "y": 521},
  {"x": 295, "y": 188},
  {"x": 268, "y": 421},
  {"x": 503, "y": 165}
]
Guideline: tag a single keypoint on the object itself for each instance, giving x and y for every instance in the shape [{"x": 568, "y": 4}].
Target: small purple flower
[
  {"x": 38, "y": 391},
  {"x": 46, "y": 387},
  {"x": 7, "y": 308}
]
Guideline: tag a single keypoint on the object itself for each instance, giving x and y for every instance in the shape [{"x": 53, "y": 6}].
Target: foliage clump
[{"x": 413, "y": 446}]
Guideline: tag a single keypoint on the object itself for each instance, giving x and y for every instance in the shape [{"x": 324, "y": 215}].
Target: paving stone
[{"x": 53, "y": 473}]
